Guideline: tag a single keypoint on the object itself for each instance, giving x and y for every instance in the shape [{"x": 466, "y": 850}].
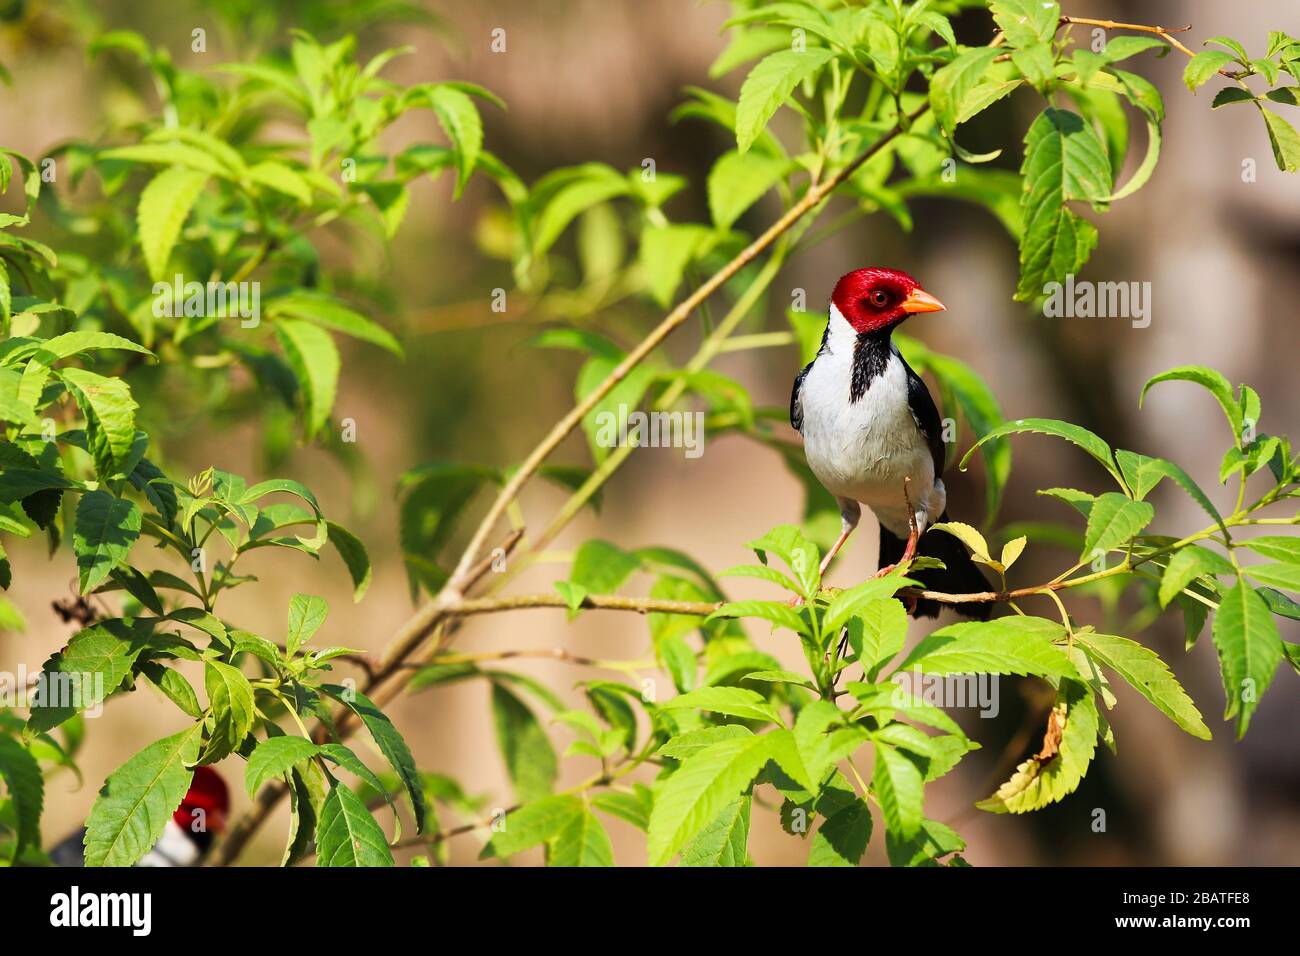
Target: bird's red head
[
  {"x": 872, "y": 300},
  {"x": 207, "y": 793}
]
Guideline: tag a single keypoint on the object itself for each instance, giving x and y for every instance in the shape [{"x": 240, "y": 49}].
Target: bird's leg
[
  {"x": 914, "y": 534},
  {"x": 850, "y": 515}
]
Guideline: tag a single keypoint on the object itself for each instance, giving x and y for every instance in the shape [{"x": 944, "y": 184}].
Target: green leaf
[
  {"x": 275, "y": 757},
  {"x": 329, "y": 313},
  {"x": 22, "y": 776},
  {"x": 1026, "y": 22},
  {"x": 629, "y": 807},
  {"x": 931, "y": 842},
  {"x": 1122, "y": 47},
  {"x": 87, "y": 671},
  {"x": 778, "y": 612},
  {"x": 109, "y": 411},
  {"x": 536, "y": 822},
  {"x": 952, "y": 85},
  {"x": 1203, "y": 66},
  {"x": 139, "y": 798},
  {"x": 306, "y": 615},
  {"x": 354, "y": 556},
  {"x": 174, "y": 685},
  {"x": 582, "y": 842},
  {"x": 1187, "y": 564},
  {"x": 1284, "y": 139},
  {"x": 666, "y": 251},
  {"x": 853, "y": 601},
  {"x": 1064, "y": 161},
  {"x": 283, "y": 179},
  {"x": 1009, "y": 645},
  {"x": 1277, "y": 547},
  {"x": 529, "y": 757},
  {"x": 105, "y": 530},
  {"x": 1038, "y": 782},
  {"x": 881, "y": 635},
  {"x": 723, "y": 842},
  {"x": 1250, "y": 649},
  {"x": 1231, "y": 94},
  {"x": 164, "y": 206},
  {"x": 601, "y": 568},
  {"x": 1285, "y": 576},
  {"x": 1085, "y": 439},
  {"x": 390, "y": 743},
  {"x": 347, "y": 835},
  {"x": 842, "y": 838},
  {"x": 1112, "y": 522},
  {"x": 732, "y": 701},
  {"x": 1211, "y": 381},
  {"x": 459, "y": 119},
  {"x": 687, "y": 744},
  {"x": 1037, "y": 63},
  {"x": 315, "y": 363},
  {"x": 1146, "y": 673},
  {"x": 738, "y": 180},
  {"x": 699, "y": 790},
  {"x": 230, "y": 697},
  {"x": 769, "y": 84},
  {"x": 593, "y": 184},
  {"x": 898, "y": 785}
]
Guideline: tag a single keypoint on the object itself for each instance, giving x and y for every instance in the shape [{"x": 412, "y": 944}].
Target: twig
[{"x": 1165, "y": 33}]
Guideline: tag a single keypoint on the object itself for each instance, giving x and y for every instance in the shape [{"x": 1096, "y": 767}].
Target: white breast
[{"x": 863, "y": 450}]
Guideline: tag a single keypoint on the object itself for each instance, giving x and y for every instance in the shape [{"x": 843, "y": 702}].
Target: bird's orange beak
[{"x": 922, "y": 301}]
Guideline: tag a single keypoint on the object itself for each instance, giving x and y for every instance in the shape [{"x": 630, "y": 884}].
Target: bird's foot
[
  {"x": 796, "y": 601},
  {"x": 885, "y": 570}
]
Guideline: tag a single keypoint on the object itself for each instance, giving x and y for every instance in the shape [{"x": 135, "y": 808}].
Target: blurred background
[{"x": 596, "y": 80}]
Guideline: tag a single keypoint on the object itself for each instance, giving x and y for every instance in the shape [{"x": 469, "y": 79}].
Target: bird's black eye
[{"x": 879, "y": 298}]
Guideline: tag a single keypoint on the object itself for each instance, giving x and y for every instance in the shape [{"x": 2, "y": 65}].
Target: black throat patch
[{"x": 870, "y": 356}]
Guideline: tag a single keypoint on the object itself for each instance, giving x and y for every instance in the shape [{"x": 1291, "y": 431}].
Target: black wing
[
  {"x": 796, "y": 405},
  {"x": 926, "y": 416}
]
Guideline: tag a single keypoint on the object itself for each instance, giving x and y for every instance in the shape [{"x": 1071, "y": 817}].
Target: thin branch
[{"x": 810, "y": 200}]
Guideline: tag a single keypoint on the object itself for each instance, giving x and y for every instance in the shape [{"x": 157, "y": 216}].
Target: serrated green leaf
[
  {"x": 699, "y": 790},
  {"x": 22, "y": 777},
  {"x": 1146, "y": 673},
  {"x": 1113, "y": 521},
  {"x": 105, "y": 530},
  {"x": 732, "y": 701},
  {"x": 390, "y": 743},
  {"x": 347, "y": 834},
  {"x": 139, "y": 798},
  {"x": 900, "y": 789},
  {"x": 460, "y": 120},
  {"x": 582, "y": 842},
  {"x": 769, "y": 84},
  {"x": 1009, "y": 645},
  {"x": 274, "y": 757},
  {"x": 738, "y": 180},
  {"x": 1204, "y": 65},
  {"x": 527, "y": 752},
  {"x": 306, "y": 615},
  {"x": 1064, "y": 161},
  {"x": 723, "y": 842},
  {"x": 230, "y": 697},
  {"x": 315, "y": 362},
  {"x": 164, "y": 206}
]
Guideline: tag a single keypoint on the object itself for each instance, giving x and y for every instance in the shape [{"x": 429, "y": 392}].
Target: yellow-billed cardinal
[
  {"x": 872, "y": 434},
  {"x": 188, "y": 834}
]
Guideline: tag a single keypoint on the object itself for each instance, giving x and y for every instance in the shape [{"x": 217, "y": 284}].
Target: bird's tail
[{"x": 960, "y": 575}]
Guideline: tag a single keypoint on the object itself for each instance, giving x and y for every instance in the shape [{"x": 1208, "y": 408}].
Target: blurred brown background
[{"x": 595, "y": 80}]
